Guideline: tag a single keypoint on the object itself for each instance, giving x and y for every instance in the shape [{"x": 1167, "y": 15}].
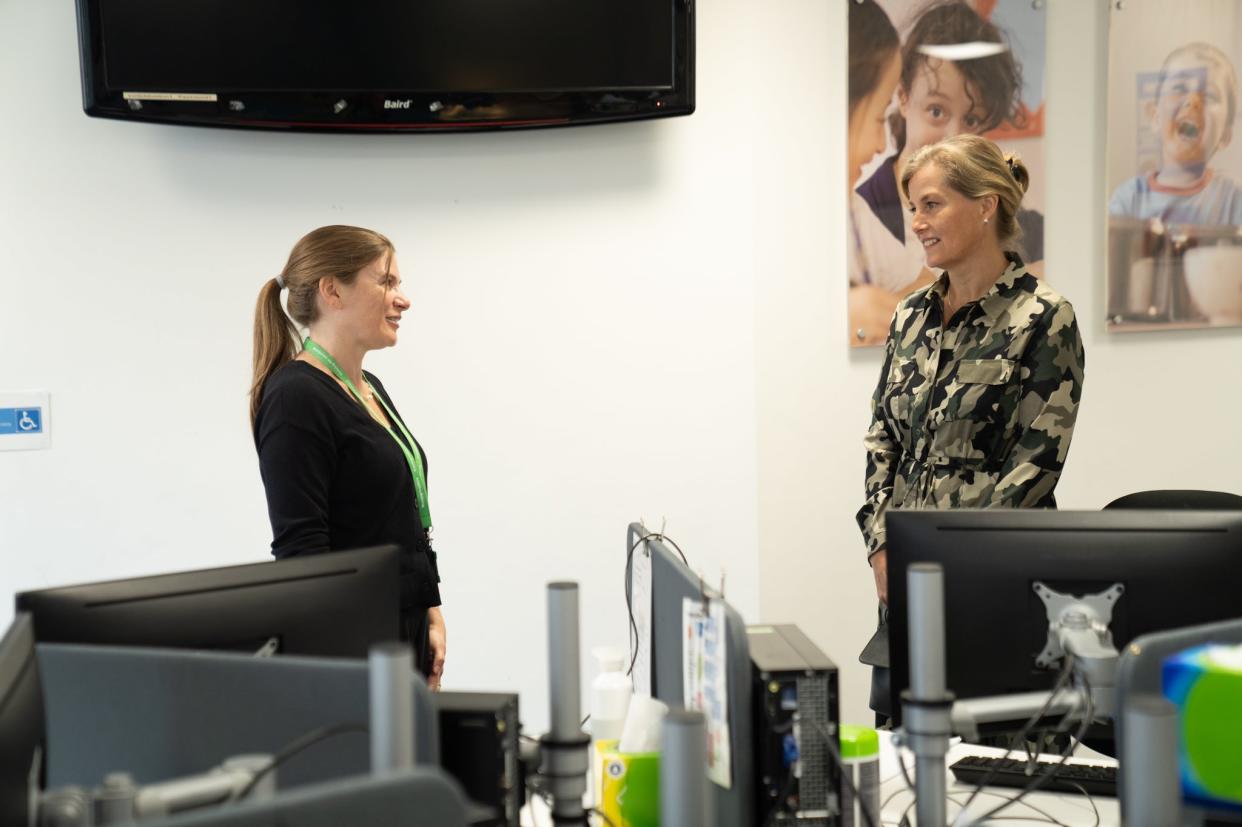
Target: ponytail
[{"x": 275, "y": 341}]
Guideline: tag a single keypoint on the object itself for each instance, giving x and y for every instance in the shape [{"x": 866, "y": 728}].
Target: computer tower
[
  {"x": 479, "y": 734},
  {"x": 796, "y": 708}
]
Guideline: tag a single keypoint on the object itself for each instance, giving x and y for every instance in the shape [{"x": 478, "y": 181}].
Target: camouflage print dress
[{"x": 978, "y": 412}]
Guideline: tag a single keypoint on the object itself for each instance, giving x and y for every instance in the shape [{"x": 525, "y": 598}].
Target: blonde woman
[
  {"x": 983, "y": 369},
  {"x": 340, "y": 468}
]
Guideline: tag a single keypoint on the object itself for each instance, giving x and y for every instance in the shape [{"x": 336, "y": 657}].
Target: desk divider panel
[{"x": 167, "y": 713}]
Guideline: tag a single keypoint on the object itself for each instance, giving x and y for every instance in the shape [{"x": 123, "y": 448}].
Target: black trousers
[{"x": 415, "y": 630}]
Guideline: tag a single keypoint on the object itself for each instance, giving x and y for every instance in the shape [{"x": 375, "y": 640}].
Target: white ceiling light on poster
[{"x": 964, "y": 51}]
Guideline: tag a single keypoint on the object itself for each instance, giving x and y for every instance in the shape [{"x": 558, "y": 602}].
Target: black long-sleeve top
[{"x": 336, "y": 480}]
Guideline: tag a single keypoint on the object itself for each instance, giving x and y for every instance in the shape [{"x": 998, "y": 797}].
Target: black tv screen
[{"x": 384, "y": 63}]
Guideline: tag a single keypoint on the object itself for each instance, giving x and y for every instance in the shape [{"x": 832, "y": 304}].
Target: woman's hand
[
  {"x": 879, "y": 568},
  {"x": 439, "y": 646}
]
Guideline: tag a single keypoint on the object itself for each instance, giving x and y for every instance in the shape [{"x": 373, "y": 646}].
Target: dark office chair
[
  {"x": 1102, "y": 739},
  {"x": 1172, "y": 500}
]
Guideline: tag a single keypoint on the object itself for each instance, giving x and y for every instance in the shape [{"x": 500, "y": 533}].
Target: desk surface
[
  {"x": 1068, "y": 809},
  {"x": 896, "y": 797}
]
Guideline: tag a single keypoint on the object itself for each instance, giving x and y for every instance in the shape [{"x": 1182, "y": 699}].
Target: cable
[
  {"x": 1048, "y": 817},
  {"x": 1048, "y": 774},
  {"x": 1009, "y": 800},
  {"x": 629, "y": 589},
  {"x": 1090, "y": 801},
  {"x": 667, "y": 539},
  {"x": 1051, "y": 819},
  {"x": 892, "y": 795},
  {"x": 294, "y": 747},
  {"x": 1027, "y": 729},
  {"x": 629, "y": 601},
  {"x": 905, "y": 814},
  {"x": 909, "y": 788},
  {"x": 1044, "y": 777},
  {"x": 905, "y": 773}
]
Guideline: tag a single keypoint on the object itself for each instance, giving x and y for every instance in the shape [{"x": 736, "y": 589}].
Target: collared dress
[{"x": 977, "y": 412}]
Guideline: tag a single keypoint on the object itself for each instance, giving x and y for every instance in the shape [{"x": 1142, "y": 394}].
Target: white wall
[
  {"x": 580, "y": 353},
  {"x": 610, "y": 322},
  {"x": 1158, "y": 410}
]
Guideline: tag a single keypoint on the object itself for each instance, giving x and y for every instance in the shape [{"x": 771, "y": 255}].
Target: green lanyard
[{"x": 412, "y": 456}]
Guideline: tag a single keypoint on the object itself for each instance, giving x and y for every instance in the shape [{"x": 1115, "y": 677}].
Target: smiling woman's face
[
  {"x": 939, "y": 104},
  {"x": 374, "y": 302},
  {"x": 948, "y": 224}
]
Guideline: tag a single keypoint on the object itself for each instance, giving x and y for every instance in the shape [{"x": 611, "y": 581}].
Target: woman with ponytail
[{"x": 339, "y": 466}]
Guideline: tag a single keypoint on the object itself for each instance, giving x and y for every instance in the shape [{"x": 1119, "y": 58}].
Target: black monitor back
[
  {"x": 671, "y": 582},
  {"x": 334, "y": 604},
  {"x": 1179, "y": 568},
  {"x": 22, "y": 726}
]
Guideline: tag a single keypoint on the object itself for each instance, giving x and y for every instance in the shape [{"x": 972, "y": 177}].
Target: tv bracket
[
  {"x": 1077, "y": 625},
  {"x": 1080, "y": 625}
]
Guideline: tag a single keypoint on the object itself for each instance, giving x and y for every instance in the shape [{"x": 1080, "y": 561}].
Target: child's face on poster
[
  {"x": 1191, "y": 111},
  {"x": 939, "y": 104}
]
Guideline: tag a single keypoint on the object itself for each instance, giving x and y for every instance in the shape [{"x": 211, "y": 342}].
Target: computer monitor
[
  {"x": 671, "y": 582},
  {"x": 1178, "y": 568},
  {"x": 333, "y": 604},
  {"x": 22, "y": 726}
]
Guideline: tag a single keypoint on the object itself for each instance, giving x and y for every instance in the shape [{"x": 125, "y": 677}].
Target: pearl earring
[{"x": 985, "y": 221}]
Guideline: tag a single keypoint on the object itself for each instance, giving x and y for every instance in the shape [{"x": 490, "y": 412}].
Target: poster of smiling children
[
  {"x": 921, "y": 71},
  {"x": 1174, "y": 204}
]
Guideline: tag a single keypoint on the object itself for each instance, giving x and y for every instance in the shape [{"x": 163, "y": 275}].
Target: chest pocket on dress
[
  {"x": 899, "y": 393},
  {"x": 983, "y": 396},
  {"x": 985, "y": 371}
]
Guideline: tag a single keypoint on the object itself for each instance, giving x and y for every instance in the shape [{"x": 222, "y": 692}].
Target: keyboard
[{"x": 1011, "y": 772}]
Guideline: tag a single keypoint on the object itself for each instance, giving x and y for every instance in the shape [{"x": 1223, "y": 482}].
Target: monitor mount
[
  {"x": 1077, "y": 626},
  {"x": 1080, "y": 625}
]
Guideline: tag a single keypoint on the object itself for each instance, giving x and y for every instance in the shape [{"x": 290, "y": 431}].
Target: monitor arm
[
  {"x": 1077, "y": 626},
  {"x": 120, "y": 801},
  {"x": 968, "y": 713},
  {"x": 565, "y": 751}
]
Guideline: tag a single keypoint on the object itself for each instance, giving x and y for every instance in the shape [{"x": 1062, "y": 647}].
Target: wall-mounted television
[{"x": 386, "y": 65}]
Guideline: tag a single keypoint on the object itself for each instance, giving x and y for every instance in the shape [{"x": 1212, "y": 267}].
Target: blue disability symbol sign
[{"x": 21, "y": 420}]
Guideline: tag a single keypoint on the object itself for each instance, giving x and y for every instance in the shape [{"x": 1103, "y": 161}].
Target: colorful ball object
[{"x": 1205, "y": 683}]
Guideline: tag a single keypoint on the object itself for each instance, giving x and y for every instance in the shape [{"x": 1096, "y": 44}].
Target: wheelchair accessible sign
[{"x": 23, "y": 421}]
